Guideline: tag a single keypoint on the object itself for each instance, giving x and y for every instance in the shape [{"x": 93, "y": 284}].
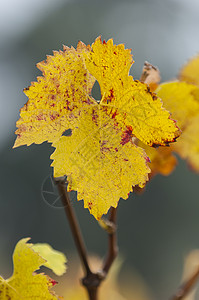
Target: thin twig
[
  {"x": 112, "y": 243},
  {"x": 91, "y": 281},
  {"x": 187, "y": 286},
  {"x": 61, "y": 185}
]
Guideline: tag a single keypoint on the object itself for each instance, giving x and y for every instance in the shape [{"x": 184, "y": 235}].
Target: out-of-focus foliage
[
  {"x": 109, "y": 289},
  {"x": 190, "y": 72},
  {"x": 181, "y": 98}
]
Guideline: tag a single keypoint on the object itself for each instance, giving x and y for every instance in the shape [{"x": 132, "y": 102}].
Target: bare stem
[
  {"x": 61, "y": 185},
  {"x": 91, "y": 281},
  {"x": 186, "y": 286}
]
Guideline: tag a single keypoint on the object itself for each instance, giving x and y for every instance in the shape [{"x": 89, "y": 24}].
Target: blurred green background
[{"x": 157, "y": 229}]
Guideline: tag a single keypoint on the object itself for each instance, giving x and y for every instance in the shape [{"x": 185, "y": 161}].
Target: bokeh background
[{"x": 156, "y": 229}]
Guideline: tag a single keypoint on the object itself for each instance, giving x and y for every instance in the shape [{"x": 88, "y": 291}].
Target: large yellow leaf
[
  {"x": 25, "y": 283},
  {"x": 99, "y": 157}
]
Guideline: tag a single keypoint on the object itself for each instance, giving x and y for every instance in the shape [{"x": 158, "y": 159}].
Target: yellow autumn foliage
[
  {"x": 190, "y": 72},
  {"x": 181, "y": 98},
  {"x": 99, "y": 158}
]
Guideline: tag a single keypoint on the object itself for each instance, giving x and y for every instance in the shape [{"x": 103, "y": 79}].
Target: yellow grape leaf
[
  {"x": 181, "y": 99},
  {"x": 190, "y": 72},
  {"x": 188, "y": 144},
  {"x": 99, "y": 157},
  {"x": 55, "y": 260},
  {"x": 25, "y": 283}
]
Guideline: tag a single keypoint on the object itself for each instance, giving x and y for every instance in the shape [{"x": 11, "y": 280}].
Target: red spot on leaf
[
  {"x": 53, "y": 282},
  {"x": 148, "y": 159},
  {"x": 114, "y": 115},
  {"x": 94, "y": 116},
  {"x": 54, "y": 116},
  {"x": 41, "y": 117},
  {"x": 90, "y": 205},
  {"x": 127, "y": 135},
  {"x": 110, "y": 96}
]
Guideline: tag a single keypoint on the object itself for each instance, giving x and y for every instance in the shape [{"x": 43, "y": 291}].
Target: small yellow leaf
[
  {"x": 181, "y": 99},
  {"x": 25, "y": 283},
  {"x": 190, "y": 72},
  {"x": 188, "y": 144},
  {"x": 55, "y": 260}
]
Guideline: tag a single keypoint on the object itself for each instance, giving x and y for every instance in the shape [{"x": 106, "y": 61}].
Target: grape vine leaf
[
  {"x": 25, "y": 283},
  {"x": 99, "y": 157}
]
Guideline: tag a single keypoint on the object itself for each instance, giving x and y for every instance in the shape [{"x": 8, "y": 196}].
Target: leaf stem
[{"x": 186, "y": 287}]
